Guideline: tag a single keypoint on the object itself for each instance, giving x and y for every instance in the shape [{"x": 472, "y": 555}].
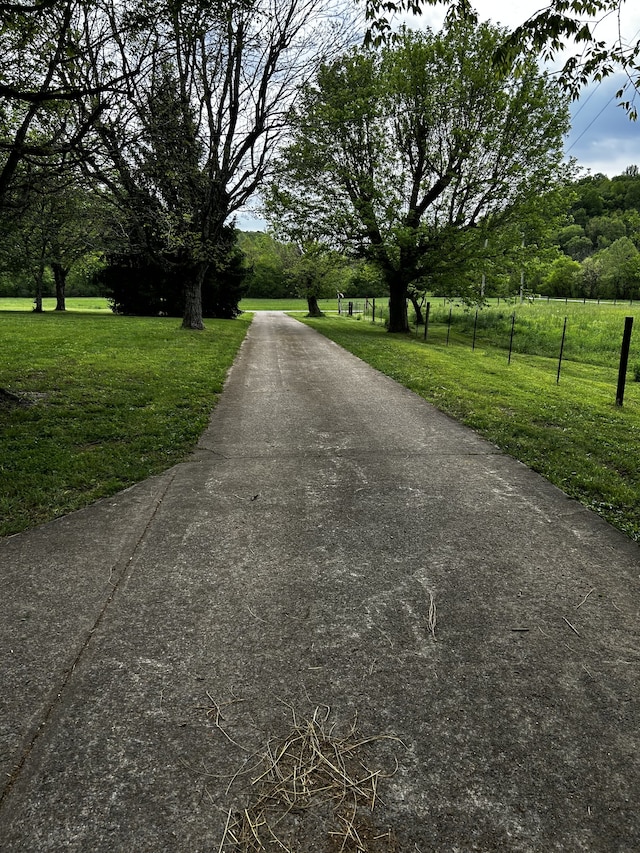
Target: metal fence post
[
  {"x": 624, "y": 359},
  {"x": 426, "y": 320},
  {"x": 564, "y": 332}
]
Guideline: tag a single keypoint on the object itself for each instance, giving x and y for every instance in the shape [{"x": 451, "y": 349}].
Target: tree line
[
  {"x": 590, "y": 249},
  {"x": 600, "y": 241},
  {"x": 594, "y": 253},
  {"x": 131, "y": 136}
]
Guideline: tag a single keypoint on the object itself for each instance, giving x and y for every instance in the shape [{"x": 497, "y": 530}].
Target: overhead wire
[
  {"x": 597, "y": 116},
  {"x": 590, "y": 125}
]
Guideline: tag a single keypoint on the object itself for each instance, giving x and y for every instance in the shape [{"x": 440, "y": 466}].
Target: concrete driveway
[{"x": 341, "y": 573}]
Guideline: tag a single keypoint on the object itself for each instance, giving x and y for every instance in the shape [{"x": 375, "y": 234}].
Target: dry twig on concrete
[{"x": 315, "y": 784}]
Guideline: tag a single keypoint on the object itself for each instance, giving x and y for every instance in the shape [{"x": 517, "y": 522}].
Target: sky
[{"x": 602, "y": 138}]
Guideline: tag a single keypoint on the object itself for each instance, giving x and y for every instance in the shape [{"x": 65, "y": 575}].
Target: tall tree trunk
[
  {"x": 37, "y": 302},
  {"x": 398, "y": 316},
  {"x": 314, "y": 308},
  {"x": 60, "y": 278},
  {"x": 417, "y": 308},
  {"x": 192, "y": 317}
]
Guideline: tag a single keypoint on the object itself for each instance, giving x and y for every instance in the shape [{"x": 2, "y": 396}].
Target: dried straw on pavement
[{"x": 315, "y": 788}]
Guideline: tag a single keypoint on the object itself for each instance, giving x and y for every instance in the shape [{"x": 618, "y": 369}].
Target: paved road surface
[{"x": 336, "y": 544}]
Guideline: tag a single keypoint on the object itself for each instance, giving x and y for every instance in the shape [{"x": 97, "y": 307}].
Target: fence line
[{"x": 515, "y": 333}]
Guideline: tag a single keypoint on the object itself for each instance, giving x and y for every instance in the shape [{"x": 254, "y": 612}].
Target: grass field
[
  {"x": 74, "y": 304},
  {"x": 571, "y": 432},
  {"x": 98, "y": 303},
  {"x": 593, "y": 332},
  {"x": 105, "y": 401},
  {"x": 330, "y": 305}
]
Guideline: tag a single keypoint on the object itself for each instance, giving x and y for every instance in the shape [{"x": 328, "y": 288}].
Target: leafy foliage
[
  {"x": 603, "y": 237},
  {"x": 316, "y": 274},
  {"x": 268, "y": 263},
  {"x": 55, "y": 73},
  {"x": 146, "y": 285},
  {"x": 546, "y": 33},
  {"x": 411, "y": 155}
]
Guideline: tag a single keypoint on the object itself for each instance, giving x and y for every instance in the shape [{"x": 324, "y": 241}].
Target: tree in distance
[
  {"x": 268, "y": 264},
  {"x": 55, "y": 229},
  {"x": 316, "y": 273},
  {"x": 399, "y": 153}
]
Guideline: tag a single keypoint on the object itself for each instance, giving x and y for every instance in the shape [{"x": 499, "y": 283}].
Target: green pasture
[
  {"x": 73, "y": 304},
  {"x": 571, "y": 432},
  {"x": 593, "y": 332},
  {"x": 100, "y": 402},
  {"x": 293, "y": 305},
  {"x": 98, "y": 303}
]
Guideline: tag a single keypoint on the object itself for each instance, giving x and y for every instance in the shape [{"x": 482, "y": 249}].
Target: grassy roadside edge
[{"x": 103, "y": 403}]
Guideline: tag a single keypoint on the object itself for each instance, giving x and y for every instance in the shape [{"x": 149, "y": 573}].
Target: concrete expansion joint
[
  {"x": 119, "y": 571},
  {"x": 200, "y": 449},
  {"x": 347, "y": 453}
]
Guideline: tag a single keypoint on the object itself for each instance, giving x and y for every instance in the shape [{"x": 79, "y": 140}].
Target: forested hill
[
  {"x": 600, "y": 242},
  {"x": 605, "y": 210}
]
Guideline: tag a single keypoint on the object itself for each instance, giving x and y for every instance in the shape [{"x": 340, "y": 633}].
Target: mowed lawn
[
  {"x": 102, "y": 402},
  {"x": 572, "y": 432},
  {"x": 91, "y": 304}
]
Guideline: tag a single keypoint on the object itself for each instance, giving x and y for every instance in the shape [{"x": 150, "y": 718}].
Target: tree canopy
[
  {"x": 410, "y": 152},
  {"x": 172, "y": 107},
  {"x": 194, "y": 139},
  {"x": 547, "y": 33},
  {"x": 170, "y": 112}
]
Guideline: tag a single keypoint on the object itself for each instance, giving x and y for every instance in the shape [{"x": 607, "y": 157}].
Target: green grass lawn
[
  {"x": 571, "y": 432},
  {"x": 330, "y": 305},
  {"x": 98, "y": 303},
  {"x": 106, "y": 402},
  {"x": 73, "y": 304}
]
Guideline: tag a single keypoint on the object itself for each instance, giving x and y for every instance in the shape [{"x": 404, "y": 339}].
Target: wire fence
[{"x": 589, "y": 332}]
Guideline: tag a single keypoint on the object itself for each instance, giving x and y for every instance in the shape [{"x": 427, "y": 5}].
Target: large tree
[
  {"x": 316, "y": 274},
  {"x": 195, "y": 137},
  {"x": 397, "y": 151}
]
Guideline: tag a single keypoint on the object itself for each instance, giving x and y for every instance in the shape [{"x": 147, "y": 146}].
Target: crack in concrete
[{"x": 119, "y": 570}]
